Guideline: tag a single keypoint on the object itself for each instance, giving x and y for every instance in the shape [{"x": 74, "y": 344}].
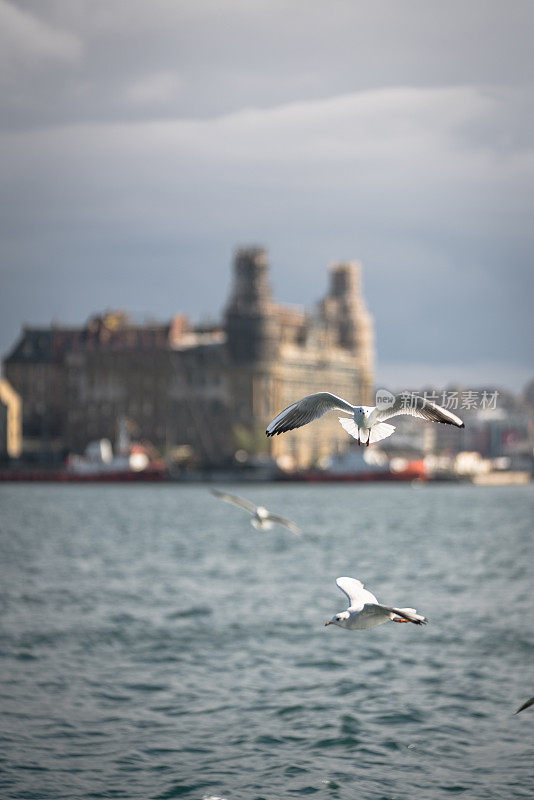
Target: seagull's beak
[{"x": 328, "y": 623}]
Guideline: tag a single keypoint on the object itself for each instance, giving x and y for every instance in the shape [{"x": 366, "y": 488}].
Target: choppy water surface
[{"x": 154, "y": 645}]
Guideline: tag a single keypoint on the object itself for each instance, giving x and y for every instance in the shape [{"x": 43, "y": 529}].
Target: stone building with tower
[
  {"x": 278, "y": 354},
  {"x": 207, "y": 390}
]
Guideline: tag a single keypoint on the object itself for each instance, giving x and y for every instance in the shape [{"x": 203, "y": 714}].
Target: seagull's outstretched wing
[
  {"x": 418, "y": 407},
  {"x": 526, "y": 704},
  {"x": 286, "y": 522},
  {"x": 407, "y": 614},
  {"x": 358, "y": 596},
  {"x": 307, "y": 410},
  {"x": 236, "y": 501}
]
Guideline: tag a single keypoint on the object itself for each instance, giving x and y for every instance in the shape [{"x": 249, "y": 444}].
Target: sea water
[{"x": 154, "y": 645}]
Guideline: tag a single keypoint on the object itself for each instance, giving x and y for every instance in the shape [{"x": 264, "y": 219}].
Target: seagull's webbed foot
[{"x": 398, "y": 619}]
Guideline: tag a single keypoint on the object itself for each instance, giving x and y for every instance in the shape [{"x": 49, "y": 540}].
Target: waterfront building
[{"x": 206, "y": 390}]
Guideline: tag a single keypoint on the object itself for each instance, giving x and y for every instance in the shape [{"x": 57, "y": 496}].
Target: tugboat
[{"x": 130, "y": 462}]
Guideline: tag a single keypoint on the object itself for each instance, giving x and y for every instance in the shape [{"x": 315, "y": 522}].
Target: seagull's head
[
  {"x": 339, "y": 619},
  {"x": 359, "y": 416}
]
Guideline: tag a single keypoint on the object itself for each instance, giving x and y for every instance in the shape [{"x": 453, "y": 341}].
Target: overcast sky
[{"x": 141, "y": 142}]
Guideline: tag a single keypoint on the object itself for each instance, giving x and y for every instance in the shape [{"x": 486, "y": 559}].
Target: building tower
[
  {"x": 344, "y": 309},
  {"x": 250, "y": 322}
]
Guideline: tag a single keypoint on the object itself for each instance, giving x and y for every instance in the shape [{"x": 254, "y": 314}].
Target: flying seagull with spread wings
[
  {"x": 262, "y": 519},
  {"x": 365, "y": 611},
  {"x": 366, "y": 423}
]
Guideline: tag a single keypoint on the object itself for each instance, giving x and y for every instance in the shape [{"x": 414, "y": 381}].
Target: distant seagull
[
  {"x": 365, "y": 611},
  {"x": 368, "y": 420},
  {"x": 526, "y": 704},
  {"x": 261, "y": 518}
]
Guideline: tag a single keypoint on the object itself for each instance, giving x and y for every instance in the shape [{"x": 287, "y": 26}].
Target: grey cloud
[
  {"x": 236, "y": 54},
  {"x": 26, "y": 43},
  {"x": 324, "y": 180},
  {"x": 154, "y": 88},
  {"x": 398, "y": 154}
]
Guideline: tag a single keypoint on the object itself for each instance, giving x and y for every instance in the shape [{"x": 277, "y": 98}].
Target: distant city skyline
[{"x": 142, "y": 143}]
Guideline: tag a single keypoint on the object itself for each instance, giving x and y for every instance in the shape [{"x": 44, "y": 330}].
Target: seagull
[
  {"x": 367, "y": 420},
  {"x": 365, "y": 611},
  {"x": 262, "y": 519},
  {"x": 526, "y": 704}
]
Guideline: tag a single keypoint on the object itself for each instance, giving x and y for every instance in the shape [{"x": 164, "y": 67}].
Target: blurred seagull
[
  {"x": 261, "y": 518},
  {"x": 526, "y": 704},
  {"x": 365, "y": 611},
  {"x": 366, "y": 420}
]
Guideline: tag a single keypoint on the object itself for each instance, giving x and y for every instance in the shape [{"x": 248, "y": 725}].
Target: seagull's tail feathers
[
  {"x": 381, "y": 431},
  {"x": 410, "y": 615},
  {"x": 261, "y": 524}
]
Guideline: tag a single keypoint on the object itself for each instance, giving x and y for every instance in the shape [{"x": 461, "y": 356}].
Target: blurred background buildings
[{"x": 198, "y": 392}]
